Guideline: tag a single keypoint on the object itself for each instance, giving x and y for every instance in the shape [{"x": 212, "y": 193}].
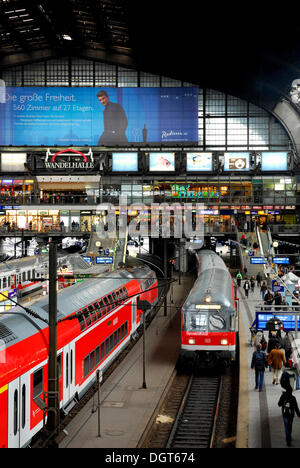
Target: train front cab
[{"x": 208, "y": 334}]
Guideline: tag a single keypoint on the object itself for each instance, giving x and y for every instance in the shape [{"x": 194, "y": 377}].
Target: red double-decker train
[
  {"x": 210, "y": 314},
  {"x": 107, "y": 314}
]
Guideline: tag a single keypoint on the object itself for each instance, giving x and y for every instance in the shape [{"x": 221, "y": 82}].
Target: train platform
[
  {"x": 260, "y": 422},
  {"x": 126, "y": 407}
]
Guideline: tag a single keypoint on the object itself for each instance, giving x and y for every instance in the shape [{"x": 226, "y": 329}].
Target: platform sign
[
  {"x": 288, "y": 320},
  {"x": 281, "y": 260},
  {"x": 104, "y": 260},
  {"x": 277, "y": 287},
  {"x": 258, "y": 261}
]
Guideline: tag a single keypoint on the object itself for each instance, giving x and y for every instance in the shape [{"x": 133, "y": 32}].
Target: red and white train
[
  {"x": 108, "y": 314},
  {"x": 209, "y": 315}
]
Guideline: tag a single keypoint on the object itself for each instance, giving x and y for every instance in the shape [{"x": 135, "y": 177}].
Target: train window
[
  {"x": 122, "y": 295},
  {"x": 8, "y": 281},
  {"x": 33, "y": 274},
  {"x": 37, "y": 383},
  {"x": 115, "y": 299},
  {"x": 4, "y": 282},
  {"x": 115, "y": 338},
  {"x": 119, "y": 335},
  {"x": 97, "y": 355},
  {"x": 126, "y": 293},
  {"x": 102, "y": 307},
  {"x": 24, "y": 276},
  {"x": 111, "y": 342},
  {"x": 81, "y": 320},
  {"x": 67, "y": 370},
  {"x": 71, "y": 374},
  {"x": 97, "y": 309},
  {"x": 106, "y": 346},
  {"x": 119, "y": 298},
  {"x": 87, "y": 316},
  {"x": 59, "y": 366},
  {"x": 0, "y": 283},
  {"x": 23, "y": 406},
  {"x": 111, "y": 301},
  {"x": 102, "y": 351},
  {"x": 16, "y": 410},
  {"x": 107, "y": 306},
  {"x": 217, "y": 322},
  {"x": 126, "y": 328},
  {"x": 86, "y": 366},
  {"x": 92, "y": 361},
  {"x": 93, "y": 313}
]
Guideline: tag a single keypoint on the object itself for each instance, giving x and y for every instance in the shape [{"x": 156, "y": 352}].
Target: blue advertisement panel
[
  {"x": 237, "y": 162},
  {"x": 258, "y": 261},
  {"x": 199, "y": 162},
  {"x": 274, "y": 161},
  {"x": 125, "y": 162},
  {"x": 159, "y": 162},
  {"x": 281, "y": 260},
  {"x": 98, "y": 116}
]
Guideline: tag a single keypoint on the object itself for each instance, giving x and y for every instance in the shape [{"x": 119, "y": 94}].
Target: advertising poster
[
  {"x": 159, "y": 162},
  {"x": 237, "y": 162},
  {"x": 274, "y": 161},
  {"x": 198, "y": 162},
  {"x": 125, "y": 162},
  {"x": 98, "y": 116}
]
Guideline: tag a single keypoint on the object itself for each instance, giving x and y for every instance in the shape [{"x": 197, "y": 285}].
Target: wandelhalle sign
[{"x": 69, "y": 160}]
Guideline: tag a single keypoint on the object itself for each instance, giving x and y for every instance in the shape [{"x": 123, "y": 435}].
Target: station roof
[{"x": 246, "y": 50}]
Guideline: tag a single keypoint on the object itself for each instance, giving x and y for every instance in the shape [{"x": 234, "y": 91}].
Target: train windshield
[{"x": 205, "y": 321}]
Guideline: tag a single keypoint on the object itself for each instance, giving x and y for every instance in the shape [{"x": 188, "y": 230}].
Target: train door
[
  {"x": 19, "y": 411},
  {"x": 68, "y": 373}
]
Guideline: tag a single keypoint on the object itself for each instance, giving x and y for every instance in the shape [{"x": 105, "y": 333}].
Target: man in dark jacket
[
  {"x": 289, "y": 406},
  {"x": 259, "y": 363},
  {"x": 115, "y": 122}
]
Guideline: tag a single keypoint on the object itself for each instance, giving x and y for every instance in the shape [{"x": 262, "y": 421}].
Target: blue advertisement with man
[{"x": 98, "y": 117}]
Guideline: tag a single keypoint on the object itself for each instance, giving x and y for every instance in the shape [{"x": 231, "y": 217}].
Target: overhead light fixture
[{"x": 66, "y": 37}]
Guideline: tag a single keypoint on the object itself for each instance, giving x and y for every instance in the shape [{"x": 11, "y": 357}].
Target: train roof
[
  {"x": 14, "y": 328},
  {"x": 214, "y": 280}
]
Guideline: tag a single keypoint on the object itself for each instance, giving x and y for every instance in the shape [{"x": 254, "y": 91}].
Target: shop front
[{"x": 16, "y": 191}]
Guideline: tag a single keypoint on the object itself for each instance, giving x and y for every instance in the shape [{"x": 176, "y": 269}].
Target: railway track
[
  {"x": 194, "y": 425},
  {"x": 197, "y": 411}
]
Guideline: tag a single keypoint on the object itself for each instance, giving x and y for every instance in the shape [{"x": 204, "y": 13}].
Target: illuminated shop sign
[
  {"x": 199, "y": 162},
  {"x": 184, "y": 191},
  {"x": 69, "y": 159},
  {"x": 274, "y": 161}
]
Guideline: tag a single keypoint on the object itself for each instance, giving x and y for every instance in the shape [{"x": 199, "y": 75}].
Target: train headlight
[
  {"x": 207, "y": 299},
  {"x": 224, "y": 342},
  {"x": 192, "y": 341}
]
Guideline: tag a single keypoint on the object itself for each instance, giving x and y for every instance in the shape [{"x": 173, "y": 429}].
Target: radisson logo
[{"x": 66, "y": 163}]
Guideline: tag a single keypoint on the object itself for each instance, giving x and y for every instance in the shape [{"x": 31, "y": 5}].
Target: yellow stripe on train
[{"x": 3, "y": 389}]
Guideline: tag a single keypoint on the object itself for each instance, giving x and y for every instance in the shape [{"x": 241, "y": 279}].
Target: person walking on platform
[
  {"x": 276, "y": 359},
  {"x": 263, "y": 290},
  {"x": 259, "y": 280},
  {"x": 252, "y": 283},
  {"x": 246, "y": 288},
  {"x": 239, "y": 278},
  {"x": 259, "y": 363},
  {"x": 289, "y": 407}
]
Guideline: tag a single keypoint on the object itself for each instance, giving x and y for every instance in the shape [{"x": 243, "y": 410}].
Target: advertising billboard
[
  {"x": 161, "y": 162},
  {"x": 98, "y": 116},
  {"x": 237, "y": 162},
  {"x": 274, "y": 161},
  {"x": 125, "y": 162},
  {"x": 199, "y": 162}
]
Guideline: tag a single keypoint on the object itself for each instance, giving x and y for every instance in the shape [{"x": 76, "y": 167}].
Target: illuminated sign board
[
  {"x": 199, "y": 162},
  {"x": 104, "y": 260},
  {"x": 287, "y": 320},
  {"x": 274, "y": 161},
  {"x": 161, "y": 162},
  {"x": 91, "y": 116},
  {"x": 237, "y": 162},
  {"x": 185, "y": 191},
  {"x": 258, "y": 261},
  {"x": 281, "y": 261},
  {"x": 125, "y": 162}
]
